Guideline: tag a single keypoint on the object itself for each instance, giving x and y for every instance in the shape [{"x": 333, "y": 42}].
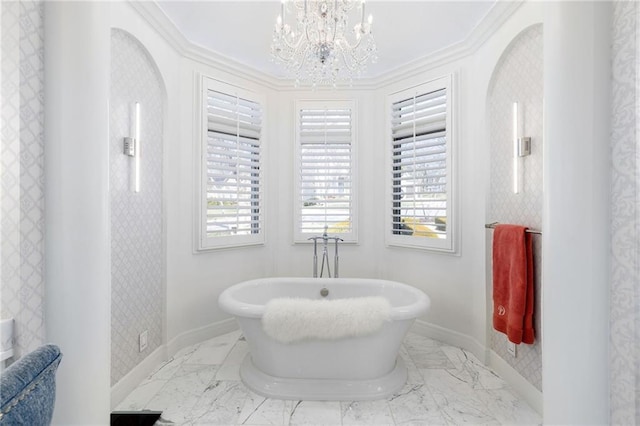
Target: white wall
[
  {"x": 456, "y": 283},
  {"x": 576, "y": 212},
  {"x": 77, "y": 281},
  {"x": 193, "y": 280},
  {"x": 356, "y": 260}
]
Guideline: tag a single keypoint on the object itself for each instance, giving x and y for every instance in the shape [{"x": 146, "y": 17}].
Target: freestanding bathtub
[{"x": 354, "y": 368}]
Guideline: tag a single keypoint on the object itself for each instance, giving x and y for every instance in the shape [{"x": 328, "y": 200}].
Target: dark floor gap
[{"x": 135, "y": 418}]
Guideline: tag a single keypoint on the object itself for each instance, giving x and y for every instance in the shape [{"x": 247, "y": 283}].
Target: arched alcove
[
  {"x": 137, "y": 240},
  {"x": 517, "y": 77}
]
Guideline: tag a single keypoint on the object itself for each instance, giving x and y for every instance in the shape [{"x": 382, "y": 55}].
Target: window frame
[
  {"x": 351, "y": 104},
  {"x": 449, "y": 243},
  {"x": 203, "y": 241}
]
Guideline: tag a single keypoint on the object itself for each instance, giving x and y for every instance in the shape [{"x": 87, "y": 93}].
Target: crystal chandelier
[{"x": 315, "y": 46}]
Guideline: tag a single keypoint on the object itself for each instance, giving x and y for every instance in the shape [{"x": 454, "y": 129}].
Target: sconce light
[
  {"x": 521, "y": 148},
  {"x": 132, "y": 146}
]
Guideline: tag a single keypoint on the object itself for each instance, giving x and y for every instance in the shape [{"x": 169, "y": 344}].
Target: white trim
[
  {"x": 323, "y": 389},
  {"x": 519, "y": 384},
  {"x": 202, "y": 243},
  {"x": 448, "y": 245},
  {"x": 451, "y": 337},
  {"x": 158, "y": 20},
  {"x": 352, "y": 105},
  {"x": 133, "y": 378},
  {"x": 493, "y": 20},
  {"x": 200, "y": 334},
  {"x": 198, "y": 128}
]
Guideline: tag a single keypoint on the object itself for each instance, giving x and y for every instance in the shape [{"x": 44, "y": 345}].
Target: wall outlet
[
  {"x": 143, "y": 340},
  {"x": 511, "y": 348}
]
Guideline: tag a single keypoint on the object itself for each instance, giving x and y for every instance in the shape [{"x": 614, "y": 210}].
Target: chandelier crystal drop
[{"x": 311, "y": 39}]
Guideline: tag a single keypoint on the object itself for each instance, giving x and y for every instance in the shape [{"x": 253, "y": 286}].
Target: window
[
  {"x": 420, "y": 191},
  {"x": 325, "y": 170},
  {"x": 231, "y": 195}
]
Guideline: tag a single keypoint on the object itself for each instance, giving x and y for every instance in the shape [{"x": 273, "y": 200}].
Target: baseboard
[
  {"x": 519, "y": 384},
  {"x": 451, "y": 337},
  {"x": 525, "y": 390},
  {"x": 133, "y": 378},
  {"x": 198, "y": 335},
  {"x": 128, "y": 383}
]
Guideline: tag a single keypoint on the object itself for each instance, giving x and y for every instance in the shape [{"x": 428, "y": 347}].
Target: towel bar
[{"x": 529, "y": 231}]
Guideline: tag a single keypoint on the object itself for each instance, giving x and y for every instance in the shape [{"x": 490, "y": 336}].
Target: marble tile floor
[{"x": 201, "y": 385}]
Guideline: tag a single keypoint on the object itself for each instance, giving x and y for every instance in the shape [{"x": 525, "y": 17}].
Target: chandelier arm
[
  {"x": 293, "y": 48},
  {"x": 355, "y": 45},
  {"x": 306, "y": 34},
  {"x": 302, "y": 62},
  {"x": 347, "y": 63},
  {"x": 335, "y": 24}
]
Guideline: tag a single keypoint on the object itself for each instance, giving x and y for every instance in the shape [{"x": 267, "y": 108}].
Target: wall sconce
[
  {"x": 132, "y": 146},
  {"x": 521, "y": 148}
]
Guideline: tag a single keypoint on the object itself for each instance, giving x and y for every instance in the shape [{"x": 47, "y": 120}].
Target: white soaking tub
[{"x": 344, "y": 368}]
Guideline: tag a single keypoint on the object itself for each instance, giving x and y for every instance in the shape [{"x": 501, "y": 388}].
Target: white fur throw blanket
[{"x": 291, "y": 319}]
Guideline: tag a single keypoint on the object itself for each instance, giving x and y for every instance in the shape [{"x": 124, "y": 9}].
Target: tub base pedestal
[{"x": 322, "y": 389}]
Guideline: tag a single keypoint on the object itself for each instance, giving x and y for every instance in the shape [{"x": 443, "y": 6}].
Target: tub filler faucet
[{"x": 325, "y": 254}]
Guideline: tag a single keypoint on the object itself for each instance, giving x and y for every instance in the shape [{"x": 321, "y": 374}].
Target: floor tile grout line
[{"x": 469, "y": 364}]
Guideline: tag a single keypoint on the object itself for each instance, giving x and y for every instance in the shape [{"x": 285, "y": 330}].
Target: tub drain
[{"x": 324, "y": 292}]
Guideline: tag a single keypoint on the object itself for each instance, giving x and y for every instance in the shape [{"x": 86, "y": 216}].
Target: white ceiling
[{"x": 405, "y": 31}]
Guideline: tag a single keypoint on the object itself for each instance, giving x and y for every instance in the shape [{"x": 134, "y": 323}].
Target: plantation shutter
[
  {"x": 419, "y": 160},
  {"x": 233, "y": 179},
  {"x": 325, "y": 170}
]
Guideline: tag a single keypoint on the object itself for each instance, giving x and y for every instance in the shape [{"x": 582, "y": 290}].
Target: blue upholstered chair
[{"x": 28, "y": 388}]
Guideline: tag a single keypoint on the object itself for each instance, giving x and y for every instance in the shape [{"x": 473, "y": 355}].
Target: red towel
[{"x": 513, "y": 283}]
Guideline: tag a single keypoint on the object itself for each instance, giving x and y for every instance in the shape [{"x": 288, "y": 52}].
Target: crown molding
[
  {"x": 157, "y": 19},
  {"x": 495, "y": 17}
]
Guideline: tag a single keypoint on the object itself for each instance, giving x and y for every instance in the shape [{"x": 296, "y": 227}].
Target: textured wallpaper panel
[
  {"x": 625, "y": 215},
  {"x": 518, "y": 78},
  {"x": 22, "y": 158},
  {"x": 137, "y": 256}
]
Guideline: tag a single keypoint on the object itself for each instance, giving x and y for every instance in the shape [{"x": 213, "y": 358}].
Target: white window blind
[
  {"x": 233, "y": 213},
  {"x": 421, "y": 172},
  {"x": 325, "y": 170}
]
